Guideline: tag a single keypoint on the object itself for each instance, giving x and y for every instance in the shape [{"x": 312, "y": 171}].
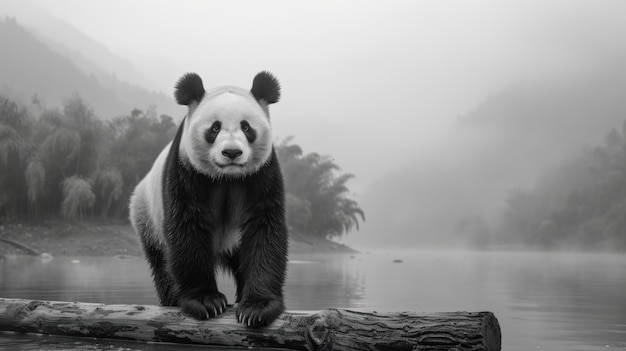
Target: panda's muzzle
[{"x": 232, "y": 153}]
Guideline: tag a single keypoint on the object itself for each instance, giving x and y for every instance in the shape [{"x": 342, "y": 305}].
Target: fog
[{"x": 440, "y": 109}]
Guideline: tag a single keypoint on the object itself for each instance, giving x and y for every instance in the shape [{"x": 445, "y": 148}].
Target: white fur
[
  {"x": 229, "y": 105},
  {"x": 146, "y": 203}
]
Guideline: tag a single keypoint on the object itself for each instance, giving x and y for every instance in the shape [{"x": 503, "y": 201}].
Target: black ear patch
[
  {"x": 189, "y": 89},
  {"x": 266, "y": 87}
]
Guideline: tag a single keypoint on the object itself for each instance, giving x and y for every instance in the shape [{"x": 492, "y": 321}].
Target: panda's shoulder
[
  {"x": 159, "y": 164},
  {"x": 151, "y": 184}
]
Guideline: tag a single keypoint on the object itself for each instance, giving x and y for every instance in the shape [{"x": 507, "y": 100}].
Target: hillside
[
  {"x": 452, "y": 193},
  {"x": 29, "y": 66},
  {"x": 581, "y": 204}
]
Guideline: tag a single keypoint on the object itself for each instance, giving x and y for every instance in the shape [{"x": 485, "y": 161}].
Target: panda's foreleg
[
  {"x": 193, "y": 272},
  {"x": 162, "y": 280},
  {"x": 261, "y": 272},
  {"x": 153, "y": 250}
]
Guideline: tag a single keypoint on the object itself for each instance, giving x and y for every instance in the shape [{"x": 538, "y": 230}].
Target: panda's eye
[
  {"x": 248, "y": 131},
  {"x": 215, "y": 128},
  {"x": 211, "y": 134},
  {"x": 245, "y": 126}
]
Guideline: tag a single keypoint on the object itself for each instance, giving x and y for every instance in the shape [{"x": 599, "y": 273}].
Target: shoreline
[{"x": 102, "y": 238}]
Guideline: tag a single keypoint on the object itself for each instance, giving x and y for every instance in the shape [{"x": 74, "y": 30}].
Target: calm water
[{"x": 544, "y": 301}]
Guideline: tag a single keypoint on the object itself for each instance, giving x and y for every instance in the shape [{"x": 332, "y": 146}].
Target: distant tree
[
  {"x": 581, "y": 204},
  {"x": 317, "y": 199},
  {"x": 135, "y": 141},
  {"x": 78, "y": 198},
  {"x": 108, "y": 186},
  {"x": 298, "y": 211},
  {"x": 15, "y": 150},
  {"x": 82, "y": 119},
  {"x": 61, "y": 150},
  {"x": 15, "y": 116},
  {"x": 12, "y": 146},
  {"x": 35, "y": 175},
  {"x": 46, "y": 160},
  {"x": 334, "y": 212}
]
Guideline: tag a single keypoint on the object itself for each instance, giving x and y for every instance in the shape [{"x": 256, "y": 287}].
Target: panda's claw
[
  {"x": 210, "y": 306},
  {"x": 194, "y": 308},
  {"x": 253, "y": 318},
  {"x": 259, "y": 313}
]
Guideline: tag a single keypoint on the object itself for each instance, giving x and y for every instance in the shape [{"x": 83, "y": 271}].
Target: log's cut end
[
  {"x": 491, "y": 331},
  {"x": 333, "y": 329}
]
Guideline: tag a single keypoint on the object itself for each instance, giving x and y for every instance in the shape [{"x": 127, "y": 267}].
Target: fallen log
[
  {"x": 333, "y": 329},
  {"x": 29, "y": 250}
]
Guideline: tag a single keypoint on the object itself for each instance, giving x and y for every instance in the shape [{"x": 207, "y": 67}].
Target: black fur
[
  {"x": 155, "y": 254},
  {"x": 211, "y": 134},
  {"x": 248, "y": 131},
  {"x": 266, "y": 87},
  {"x": 196, "y": 211},
  {"x": 189, "y": 89}
]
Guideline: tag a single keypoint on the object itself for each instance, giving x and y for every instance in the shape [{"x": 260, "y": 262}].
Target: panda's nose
[{"x": 232, "y": 153}]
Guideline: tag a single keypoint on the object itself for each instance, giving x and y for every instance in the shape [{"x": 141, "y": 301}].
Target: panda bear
[{"x": 214, "y": 199}]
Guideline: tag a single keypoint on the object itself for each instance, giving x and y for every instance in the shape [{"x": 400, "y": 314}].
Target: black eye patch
[
  {"x": 211, "y": 134},
  {"x": 248, "y": 131}
]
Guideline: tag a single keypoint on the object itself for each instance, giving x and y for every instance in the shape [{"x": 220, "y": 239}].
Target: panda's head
[{"x": 227, "y": 132}]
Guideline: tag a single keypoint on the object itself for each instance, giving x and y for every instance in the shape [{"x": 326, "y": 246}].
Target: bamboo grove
[{"x": 71, "y": 164}]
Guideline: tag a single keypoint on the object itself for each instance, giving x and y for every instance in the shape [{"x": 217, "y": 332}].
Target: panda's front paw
[
  {"x": 259, "y": 312},
  {"x": 206, "y": 307}
]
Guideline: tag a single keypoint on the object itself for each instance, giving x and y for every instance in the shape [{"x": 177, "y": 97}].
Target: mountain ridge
[{"x": 31, "y": 67}]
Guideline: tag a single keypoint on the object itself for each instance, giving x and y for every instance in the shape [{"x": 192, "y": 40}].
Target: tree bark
[{"x": 333, "y": 329}]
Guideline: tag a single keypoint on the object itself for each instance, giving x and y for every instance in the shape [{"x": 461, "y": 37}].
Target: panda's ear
[
  {"x": 189, "y": 89},
  {"x": 266, "y": 87}
]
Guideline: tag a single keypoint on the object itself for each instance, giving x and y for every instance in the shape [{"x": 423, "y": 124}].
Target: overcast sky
[{"x": 370, "y": 83}]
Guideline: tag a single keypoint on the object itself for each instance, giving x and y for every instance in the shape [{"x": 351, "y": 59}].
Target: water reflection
[
  {"x": 314, "y": 282},
  {"x": 543, "y": 301},
  {"x": 324, "y": 281},
  {"x": 581, "y": 296},
  {"x": 16, "y": 342},
  {"x": 88, "y": 279}
]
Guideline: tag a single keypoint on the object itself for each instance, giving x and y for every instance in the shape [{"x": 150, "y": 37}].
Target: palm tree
[
  {"x": 317, "y": 199},
  {"x": 334, "y": 212}
]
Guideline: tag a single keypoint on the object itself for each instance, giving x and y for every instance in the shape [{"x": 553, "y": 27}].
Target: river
[{"x": 543, "y": 301}]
